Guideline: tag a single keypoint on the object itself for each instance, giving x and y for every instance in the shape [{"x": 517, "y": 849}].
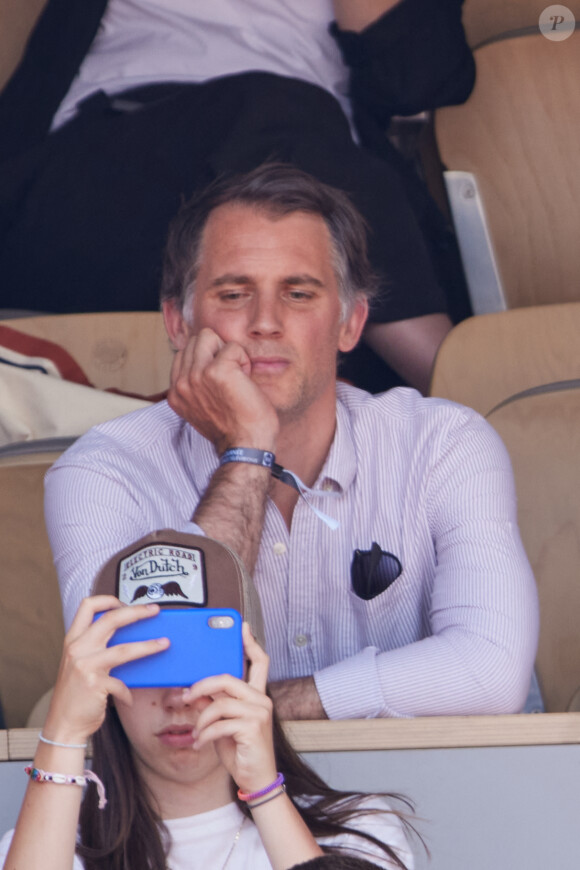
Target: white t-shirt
[
  {"x": 204, "y": 841},
  {"x": 144, "y": 41}
]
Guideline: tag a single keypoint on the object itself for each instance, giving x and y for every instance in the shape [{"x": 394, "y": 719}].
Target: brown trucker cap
[{"x": 176, "y": 569}]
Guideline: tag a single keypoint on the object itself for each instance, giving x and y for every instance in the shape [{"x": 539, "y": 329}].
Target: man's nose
[{"x": 266, "y": 315}]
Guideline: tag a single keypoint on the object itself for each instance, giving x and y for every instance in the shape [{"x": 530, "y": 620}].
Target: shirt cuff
[{"x": 350, "y": 689}]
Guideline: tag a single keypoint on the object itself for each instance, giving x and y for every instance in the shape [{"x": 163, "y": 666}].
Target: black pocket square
[{"x": 372, "y": 571}]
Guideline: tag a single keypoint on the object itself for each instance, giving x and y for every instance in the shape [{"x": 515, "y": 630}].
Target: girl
[{"x": 170, "y": 761}]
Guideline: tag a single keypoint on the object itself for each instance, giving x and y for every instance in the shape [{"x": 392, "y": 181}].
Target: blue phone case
[{"x": 197, "y": 649}]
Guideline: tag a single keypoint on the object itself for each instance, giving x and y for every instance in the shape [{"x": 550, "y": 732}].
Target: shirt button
[
  {"x": 279, "y": 548},
  {"x": 301, "y": 640},
  {"x": 327, "y": 486}
]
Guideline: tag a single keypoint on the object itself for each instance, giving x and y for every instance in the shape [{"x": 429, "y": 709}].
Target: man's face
[{"x": 268, "y": 284}]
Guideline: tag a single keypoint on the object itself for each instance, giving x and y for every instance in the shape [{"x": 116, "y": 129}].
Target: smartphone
[{"x": 204, "y": 642}]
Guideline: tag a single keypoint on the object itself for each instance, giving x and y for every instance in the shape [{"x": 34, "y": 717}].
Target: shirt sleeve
[
  {"x": 483, "y": 614},
  {"x": 91, "y": 514}
]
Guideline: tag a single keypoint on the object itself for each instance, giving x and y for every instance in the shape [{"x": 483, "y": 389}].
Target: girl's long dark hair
[{"x": 129, "y": 833}]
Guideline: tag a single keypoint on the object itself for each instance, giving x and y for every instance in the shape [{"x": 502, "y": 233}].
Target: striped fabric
[{"x": 427, "y": 480}]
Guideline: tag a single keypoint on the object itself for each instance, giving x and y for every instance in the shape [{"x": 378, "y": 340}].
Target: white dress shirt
[{"x": 427, "y": 480}]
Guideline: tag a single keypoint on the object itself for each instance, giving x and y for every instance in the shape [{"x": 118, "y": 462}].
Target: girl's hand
[
  {"x": 238, "y": 719},
  {"x": 83, "y": 684}
]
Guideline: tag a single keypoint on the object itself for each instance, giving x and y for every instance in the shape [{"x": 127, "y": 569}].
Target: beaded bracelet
[
  {"x": 38, "y": 775},
  {"x": 264, "y": 791}
]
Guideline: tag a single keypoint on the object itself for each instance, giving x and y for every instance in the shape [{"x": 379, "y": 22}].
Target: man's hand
[
  {"x": 211, "y": 388},
  {"x": 297, "y": 699}
]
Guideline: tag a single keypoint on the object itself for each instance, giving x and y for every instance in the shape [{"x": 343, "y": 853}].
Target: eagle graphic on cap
[{"x": 159, "y": 590}]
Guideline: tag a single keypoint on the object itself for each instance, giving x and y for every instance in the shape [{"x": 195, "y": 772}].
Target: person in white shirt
[
  {"x": 166, "y": 765},
  {"x": 412, "y": 594}
]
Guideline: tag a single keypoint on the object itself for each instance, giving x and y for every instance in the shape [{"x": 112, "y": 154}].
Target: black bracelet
[{"x": 248, "y": 454}]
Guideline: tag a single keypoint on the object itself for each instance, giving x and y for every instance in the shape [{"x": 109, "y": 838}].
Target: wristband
[
  {"x": 264, "y": 791},
  {"x": 248, "y": 454}
]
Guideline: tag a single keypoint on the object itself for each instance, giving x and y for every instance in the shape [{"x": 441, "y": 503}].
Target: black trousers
[{"x": 85, "y": 215}]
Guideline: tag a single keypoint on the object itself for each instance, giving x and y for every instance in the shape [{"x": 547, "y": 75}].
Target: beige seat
[
  {"x": 486, "y": 20},
  {"x": 542, "y": 434},
  {"x": 31, "y": 625},
  {"x": 521, "y": 369},
  {"x": 489, "y": 358},
  {"x": 127, "y": 351},
  {"x": 514, "y": 172}
]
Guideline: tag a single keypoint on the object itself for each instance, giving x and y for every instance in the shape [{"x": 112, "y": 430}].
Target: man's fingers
[
  {"x": 233, "y": 353},
  {"x": 207, "y": 353},
  {"x": 201, "y": 349}
]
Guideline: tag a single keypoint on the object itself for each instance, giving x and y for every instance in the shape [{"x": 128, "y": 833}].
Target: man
[
  {"x": 422, "y": 600},
  {"x": 176, "y": 92}
]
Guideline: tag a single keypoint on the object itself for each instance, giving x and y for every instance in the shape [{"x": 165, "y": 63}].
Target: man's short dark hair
[{"x": 278, "y": 189}]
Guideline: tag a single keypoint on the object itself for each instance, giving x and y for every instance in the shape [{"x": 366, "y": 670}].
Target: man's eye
[
  {"x": 232, "y": 296},
  {"x": 299, "y": 295}
]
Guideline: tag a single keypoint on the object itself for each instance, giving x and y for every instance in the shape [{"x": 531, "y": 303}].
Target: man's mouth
[{"x": 270, "y": 365}]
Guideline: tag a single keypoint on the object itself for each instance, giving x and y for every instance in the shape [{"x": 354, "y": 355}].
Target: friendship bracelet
[
  {"x": 270, "y": 797},
  {"x": 258, "y": 794},
  {"x": 37, "y": 775},
  {"x": 266, "y": 459},
  {"x": 44, "y": 739}
]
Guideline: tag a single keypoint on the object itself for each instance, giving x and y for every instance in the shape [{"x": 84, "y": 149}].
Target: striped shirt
[{"x": 427, "y": 480}]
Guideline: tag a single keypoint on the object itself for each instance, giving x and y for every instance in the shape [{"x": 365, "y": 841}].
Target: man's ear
[
  {"x": 352, "y": 327},
  {"x": 177, "y": 327}
]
